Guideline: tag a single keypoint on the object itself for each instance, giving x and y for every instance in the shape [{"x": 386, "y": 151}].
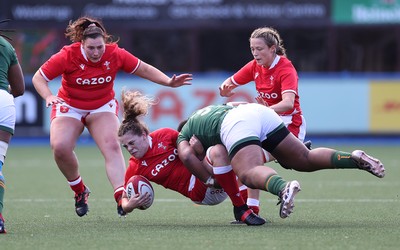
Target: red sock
[
  {"x": 118, "y": 193},
  {"x": 256, "y": 209},
  {"x": 77, "y": 185},
  {"x": 227, "y": 179},
  {"x": 243, "y": 193}
]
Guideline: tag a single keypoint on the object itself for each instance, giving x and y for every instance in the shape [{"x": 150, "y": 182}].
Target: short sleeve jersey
[
  {"x": 271, "y": 82},
  {"x": 87, "y": 85},
  {"x": 205, "y": 124},
  {"x": 8, "y": 57},
  {"x": 161, "y": 163}
]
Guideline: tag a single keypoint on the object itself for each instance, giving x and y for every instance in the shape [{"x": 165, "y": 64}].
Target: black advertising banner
[
  {"x": 170, "y": 13},
  {"x": 29, "y": 110}
]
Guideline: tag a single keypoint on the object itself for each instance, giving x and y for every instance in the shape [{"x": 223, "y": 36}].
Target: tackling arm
[{"x": 192, "y": 162}]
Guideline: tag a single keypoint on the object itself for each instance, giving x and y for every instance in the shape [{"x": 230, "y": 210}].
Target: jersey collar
[{"x": 275, "y": 62}]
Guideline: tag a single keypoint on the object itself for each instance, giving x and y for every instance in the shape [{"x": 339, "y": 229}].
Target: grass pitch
[{"x": 336, "y": 209}]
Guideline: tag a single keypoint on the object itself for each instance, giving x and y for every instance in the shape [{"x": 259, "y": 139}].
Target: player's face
[
  {"x": 263, "y": 54},
  {"x": 136, "y": 145},
  {"x": 94, "y": 48}
]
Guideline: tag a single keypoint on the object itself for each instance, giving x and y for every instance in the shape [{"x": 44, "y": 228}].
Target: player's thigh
[
  {"x": 291, "y": 152},
  {"x": 64, "y": 132},
  {"x": 104, "y": 129},
  {"x": 247, "y": 158}
]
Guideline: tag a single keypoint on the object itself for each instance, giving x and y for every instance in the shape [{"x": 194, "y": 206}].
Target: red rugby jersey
[
  {"x": 84, "y": 84},
  {"x": 161, "y": 163},
  {"x": 271, "y": 82}
]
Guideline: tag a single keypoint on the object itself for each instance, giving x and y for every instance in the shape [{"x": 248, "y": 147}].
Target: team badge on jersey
[
  {"x": 107, "y": 64},
  {"x": 161, "y": 145},
  {"x": 64, "y": 109}
]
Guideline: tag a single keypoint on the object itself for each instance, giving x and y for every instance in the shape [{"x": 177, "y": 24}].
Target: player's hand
[
  {"x": 197, "y": 147},
  {"x": 225, "y": 89},
  {"x": 136, "y": 201},
  {"x": 52, "y": 99},
  {"x": 180, "y": 80}
]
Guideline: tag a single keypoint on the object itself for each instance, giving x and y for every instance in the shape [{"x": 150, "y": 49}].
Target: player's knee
[
  {"x": 218, "y": 153},
  {"x": 246, "y": 178},
  {"x": 61, "y": 149}
]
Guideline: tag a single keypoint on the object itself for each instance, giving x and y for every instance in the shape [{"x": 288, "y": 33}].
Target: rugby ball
[{"x": 138, "y": 184}]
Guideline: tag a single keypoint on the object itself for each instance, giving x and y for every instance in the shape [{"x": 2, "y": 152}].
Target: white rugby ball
[{"x": 139, "y": 184}]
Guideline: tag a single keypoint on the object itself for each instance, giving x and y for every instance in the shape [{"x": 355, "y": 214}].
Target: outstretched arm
[
  {"x": 153, "y": 74},
  {"x": 226, "y": 88}
]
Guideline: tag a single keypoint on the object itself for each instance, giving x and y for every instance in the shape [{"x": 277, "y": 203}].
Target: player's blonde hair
[
  {"x": 135, "y": 106},
  {"x": 271, "y": 37}
]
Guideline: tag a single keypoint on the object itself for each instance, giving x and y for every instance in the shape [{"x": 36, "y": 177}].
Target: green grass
[{"x": 336, "y": 209}]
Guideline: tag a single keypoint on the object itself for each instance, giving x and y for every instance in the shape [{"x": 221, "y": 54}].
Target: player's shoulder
[
  {"x": 70, "y": 50},
  {"x": 167, "y": 136},
  {"x": 112, "y": 46},
  {"x": 72, "y": 47},
  {"x": 164, "y": 134},
  {"x": 114, "y": 49},
  {"x": 5, "y": 43},
  {"x": 285, "y": 62},
  {"x": 165, "y": 131}
]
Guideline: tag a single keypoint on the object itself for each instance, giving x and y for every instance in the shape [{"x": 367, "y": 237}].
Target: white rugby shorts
[
  {"x": 248, "y": 122},
  {"x": 65, "y": 110},
  {"x": 7, "y": 112}
]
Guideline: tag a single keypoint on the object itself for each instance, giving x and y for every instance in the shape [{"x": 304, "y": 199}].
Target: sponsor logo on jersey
[
  {"x": 164, "y": 163},
  {"x": 256, "y": 75},
  {"x": 144, "y": 163},
  {"x": 82, "y": 66},
  {"x": 268, "y": 95},
  {"x": 271, "y": 78},
  {"x": 94, "y": 80}
]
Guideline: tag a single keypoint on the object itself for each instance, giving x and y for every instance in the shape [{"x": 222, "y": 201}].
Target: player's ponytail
[{"x": 135, "y": 106}]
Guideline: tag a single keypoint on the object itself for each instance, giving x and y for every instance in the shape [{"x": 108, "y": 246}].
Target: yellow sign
[{"x": 385, "y": 107}]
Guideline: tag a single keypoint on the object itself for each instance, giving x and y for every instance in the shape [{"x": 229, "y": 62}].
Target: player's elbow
[{"x": 18, "y": 91}]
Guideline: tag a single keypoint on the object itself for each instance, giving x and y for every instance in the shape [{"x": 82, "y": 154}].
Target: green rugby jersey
[
  {"x": 8, "y": 58},
  {"x": 205, "y": 124}
]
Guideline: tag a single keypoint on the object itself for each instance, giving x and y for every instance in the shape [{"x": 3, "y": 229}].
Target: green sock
[
  {"x": 341, "y": 159},
  {"x": 274, "y": 184}
]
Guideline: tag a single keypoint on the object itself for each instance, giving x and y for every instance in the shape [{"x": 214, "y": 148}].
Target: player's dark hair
[
  {"x": 135, "y": 107},
  {"x": 5, "y": 30},
  {"x": 87, "y": 27},
  {"x": 181, "y": 124},
  {"x": 271, "y": 37}
]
